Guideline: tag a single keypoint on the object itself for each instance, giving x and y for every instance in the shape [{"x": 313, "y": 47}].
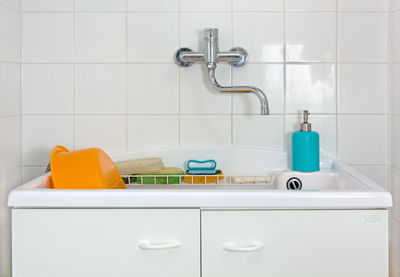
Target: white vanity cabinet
[
  {"x": 106, "y": 242},
  {"x": 302, "y": 243},
  {"x": 178, "y": 242}
]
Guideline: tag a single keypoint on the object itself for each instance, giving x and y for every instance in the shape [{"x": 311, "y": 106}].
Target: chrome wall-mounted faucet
[{"x": 211, "y": 55}]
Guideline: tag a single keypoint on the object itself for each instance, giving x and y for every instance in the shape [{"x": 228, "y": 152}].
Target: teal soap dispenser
[{"x": 305, "y": 147}]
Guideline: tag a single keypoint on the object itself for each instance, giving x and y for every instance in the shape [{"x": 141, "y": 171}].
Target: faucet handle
[
  {"x": 244, "y": 56},
  {"x": 185, "y": 57}
]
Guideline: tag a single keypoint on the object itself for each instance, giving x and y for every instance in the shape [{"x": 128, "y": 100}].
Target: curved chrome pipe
[
  {"x": 239, "y": 89},
  {"x": 211, "y": 56}
]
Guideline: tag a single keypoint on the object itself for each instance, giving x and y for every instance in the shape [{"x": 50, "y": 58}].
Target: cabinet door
[
  {"x": 106, "y": 242},
  {"x": 295, "y": 243}
]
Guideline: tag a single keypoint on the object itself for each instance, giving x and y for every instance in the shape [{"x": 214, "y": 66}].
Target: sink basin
[
  {"x": 278, "y": 180},
  {"x": 335, "y": 186}
]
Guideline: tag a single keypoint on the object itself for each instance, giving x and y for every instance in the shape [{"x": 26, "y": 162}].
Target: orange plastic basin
[{"x": 89, "y": 168}]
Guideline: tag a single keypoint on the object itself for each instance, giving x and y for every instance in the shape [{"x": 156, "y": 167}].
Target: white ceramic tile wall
[
  {"x": 10, "y": 120},
  {"x": 303, "y": 54},
  {"x": 395, "y": 137}
]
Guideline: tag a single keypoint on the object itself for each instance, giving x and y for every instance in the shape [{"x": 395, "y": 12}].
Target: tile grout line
[
  {"x": 73, "y": 77},
  {"x": 199, "y": 114},
  {"x": 126, "y": 77},
  {"x": 203, "y": 11},
  {"x": 389, "y": 30},
  {"x": 179, "y": 74},
  {"x": 389, "y": 91},
  {"x": 284, "y": 86},
  {"x": 21, "y": 85},
  {"x": 337, "y": 79},
  {"x": 231, "y": 77},
  {"x": 170, "y": 63}
]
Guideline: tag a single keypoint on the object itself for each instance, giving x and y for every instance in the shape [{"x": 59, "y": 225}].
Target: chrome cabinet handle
[
  {"x": 232, "y": 247},
  {"x": 146, "y": 245}
]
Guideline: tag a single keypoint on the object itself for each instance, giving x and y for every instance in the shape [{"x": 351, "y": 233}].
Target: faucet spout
[
  {"x": 239, "y": 89},
  {"x": 211, "y": 56}
]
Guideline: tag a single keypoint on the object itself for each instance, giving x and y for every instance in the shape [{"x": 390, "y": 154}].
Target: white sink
[{"x": 335, "y": 186}]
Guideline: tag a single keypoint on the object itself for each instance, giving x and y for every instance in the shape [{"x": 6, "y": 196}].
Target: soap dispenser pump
[{"x": 305, "y": 147}]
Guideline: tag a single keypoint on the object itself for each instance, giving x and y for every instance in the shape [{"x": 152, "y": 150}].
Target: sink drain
[{"x": 294, "y": 184}]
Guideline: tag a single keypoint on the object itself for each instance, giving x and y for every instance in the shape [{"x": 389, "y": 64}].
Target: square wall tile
[
  {"x": 100, "y": 88},
  {"x": 268, "y": 78},
  {"x": 47, "y": 89},
  {"x": 378, "y": 174},
  {"x": 8, "y": 182},
  {"x": 310, "y": 5},
  {"x": 47, "y": 37},
  {"x": 396, "y": 193},
  {"x": 153, "y": 131},
  {"x": 100, "y": 5},
  {"x": 153, "y": 5},
  {"x": 10, "y": 35},
  {"x": 31, "y": 172},
  {"x": 5, "y": 252},
  {"x": 395, "y": 245},
  {"x": 395, "y": 141},
  {"x": 362, "y": 37},
  {"x": 310, "y": 36},
  {"x": 47, "y": 5},
  {"x": 145, "y": 96},
  {"x": 100, "y": 37},
  {"x": 147, "y": 32},
  {"x": 396, "y": 89},
  {"x": 310, "y": 87},
  {"x": 396, "y": 37},
  {"x": 198, "y": 97},
  {"x": 10, "y": 138},
  {"x": 363, "y": 88},
  {"x": 363, "y": 5},
  {"x": 257, "y": 5},
  {"x": 267, "y": 45},
  {"x": 205, "y": 130},
  {"x": 205, "y": 5},
  {"x": 259, "y": 130},
  {"x": 10, "y": 88},
  {"x": 193, "y": 24},
  {"x": 363, "y": 144},
  {"x": 325, "y": 125},
  {"x": 41, "y": 134},
  {"x": 106, "y": 132}
]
